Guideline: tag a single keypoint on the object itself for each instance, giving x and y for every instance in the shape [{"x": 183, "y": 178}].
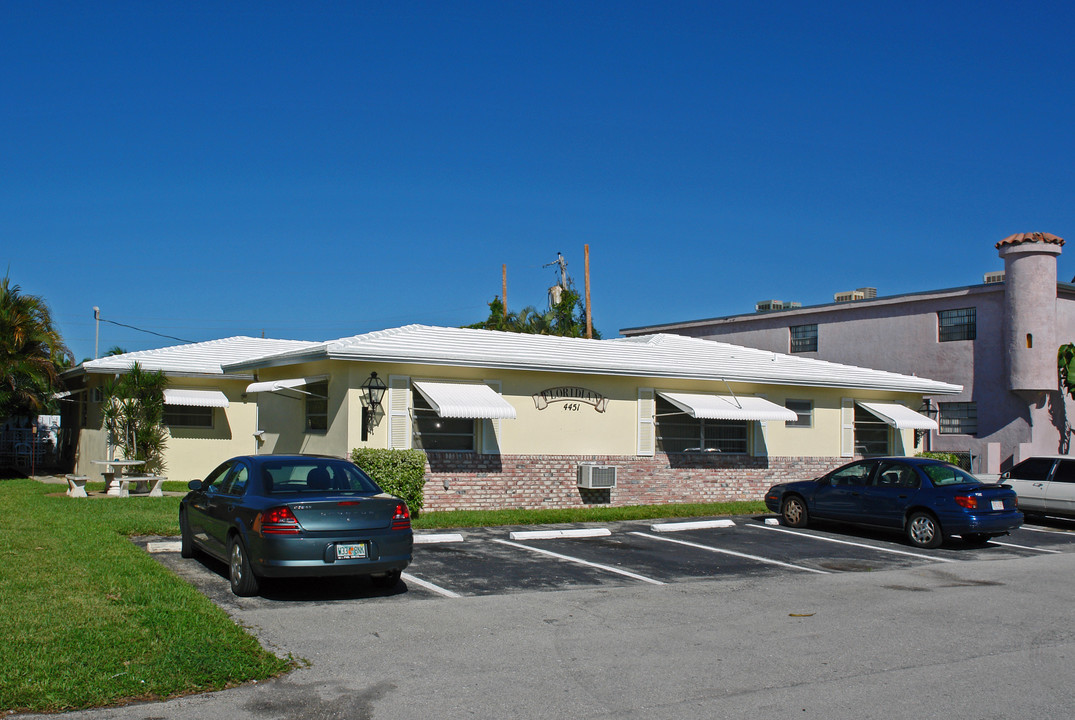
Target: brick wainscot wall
[{"x": 468, "y": 481}]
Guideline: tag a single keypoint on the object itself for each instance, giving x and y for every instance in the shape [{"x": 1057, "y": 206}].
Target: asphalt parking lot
[
  {"x": 743, "y": 620},
  {"x": 503, "y": 560}
]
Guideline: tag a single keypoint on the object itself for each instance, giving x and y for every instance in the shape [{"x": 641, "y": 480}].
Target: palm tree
[
  {"x": 32, "y": 353},
  {"x": 133, "y": 410}
]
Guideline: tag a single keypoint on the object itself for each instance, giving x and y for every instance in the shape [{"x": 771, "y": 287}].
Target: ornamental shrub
[
  {"x": 950, "y": 458},
  {"x": 400, "y": 472}
]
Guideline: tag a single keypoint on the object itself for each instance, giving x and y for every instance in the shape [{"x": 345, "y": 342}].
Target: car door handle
[{"x": 903, "y": 497}]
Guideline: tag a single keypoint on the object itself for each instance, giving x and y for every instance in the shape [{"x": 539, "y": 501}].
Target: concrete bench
[
  {"x": 154, "y": 480},
  {"x": 76, "y": 485}
]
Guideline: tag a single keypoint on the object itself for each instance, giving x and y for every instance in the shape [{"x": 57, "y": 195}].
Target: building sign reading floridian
[{"x": 572, "y": 398}]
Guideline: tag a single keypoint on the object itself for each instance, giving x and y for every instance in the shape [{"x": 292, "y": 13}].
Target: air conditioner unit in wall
[{"x": 597, "y": 477}]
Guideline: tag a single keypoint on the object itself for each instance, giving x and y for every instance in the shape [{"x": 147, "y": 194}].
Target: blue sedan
[
  {"x": 926, "y": 499},
  {"x": 271, "y": 516}
]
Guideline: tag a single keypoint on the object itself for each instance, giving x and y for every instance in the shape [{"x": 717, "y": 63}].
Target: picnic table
[{"x": 110, "y": 474}]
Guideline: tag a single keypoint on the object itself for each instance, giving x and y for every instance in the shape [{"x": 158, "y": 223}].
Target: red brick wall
[{"x": 490, "y": 482}]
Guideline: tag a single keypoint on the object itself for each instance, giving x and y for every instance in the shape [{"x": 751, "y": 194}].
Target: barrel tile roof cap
[{"x": 1019, "y": 238}]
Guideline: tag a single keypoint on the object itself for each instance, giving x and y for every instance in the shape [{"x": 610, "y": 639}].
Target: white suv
[{"x": 1045, "y": 485}]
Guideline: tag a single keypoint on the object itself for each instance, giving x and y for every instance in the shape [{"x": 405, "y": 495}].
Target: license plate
[
  {"x": 998, "y": 504},
  {"x": 351, "y": 551}
]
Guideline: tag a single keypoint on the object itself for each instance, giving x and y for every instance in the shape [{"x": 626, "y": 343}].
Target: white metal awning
[
  {"x": 195, "y": 398},
  {"x": 727, "y": 407},
  {"x": 277, "y": 385},
  {"x": 465, "y": 400},
  {"x": 898, "y": 416}
]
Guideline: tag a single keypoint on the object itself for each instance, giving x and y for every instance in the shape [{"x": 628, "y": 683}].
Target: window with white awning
[
  {"x": 702, "y": 422},
  {"x": 447, "y": 415},
  {"x": 898, "y": 416},
  {"x": 190, "y": 408}
]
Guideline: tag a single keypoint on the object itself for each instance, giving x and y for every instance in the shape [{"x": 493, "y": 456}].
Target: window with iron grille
[
  {"x": 958, "y": 418},
  {"x": 804, "y": 338},
  {"x": 956, "y": 324},
  {"x": 679, "y": 432}
]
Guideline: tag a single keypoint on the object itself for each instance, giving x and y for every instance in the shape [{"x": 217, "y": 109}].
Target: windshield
[
  {"x": 315, "y": 475},
  {"x": 948, "y": 475}
]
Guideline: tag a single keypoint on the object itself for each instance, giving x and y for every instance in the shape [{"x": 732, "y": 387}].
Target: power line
[{"x": 132, "y": 327}]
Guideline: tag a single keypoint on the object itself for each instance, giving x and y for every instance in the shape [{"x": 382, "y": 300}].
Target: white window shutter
[
  {"x": 491, "y": 426},
  {"x": 647, "y": 441},
  {"x": 399, "y": 412},
  {"x": 761, "y": 448},
  {"x": 847, "y": 427}
]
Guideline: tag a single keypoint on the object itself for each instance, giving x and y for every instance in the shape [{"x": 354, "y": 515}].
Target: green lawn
[{"x": 91, "y": 619}]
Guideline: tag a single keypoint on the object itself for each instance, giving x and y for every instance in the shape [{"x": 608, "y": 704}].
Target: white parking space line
[
  {"x": 429, "y": 586},
  {"x": 693, "y": 525},
  {"x": 580, "y": 561},
  {"x": 1043, "y": 530},
  {"x": 768, "y": 561},
  {"x": 434, "y": 538},
  {"x": 556, "y": 534},
  {"x": 848, "y": 542},
  {"x": 1025, "y": 547}
]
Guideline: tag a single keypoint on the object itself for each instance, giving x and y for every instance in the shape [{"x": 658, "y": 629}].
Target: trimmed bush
[
  {"x": 400, "y": 472},
  {"x": 950, "y": 458}
]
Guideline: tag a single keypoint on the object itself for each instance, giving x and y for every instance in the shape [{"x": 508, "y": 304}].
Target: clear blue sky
[{"x": 318, "y": 170}]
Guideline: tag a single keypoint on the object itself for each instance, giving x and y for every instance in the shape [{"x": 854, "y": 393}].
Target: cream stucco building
[{"x": 509, "y": 420}]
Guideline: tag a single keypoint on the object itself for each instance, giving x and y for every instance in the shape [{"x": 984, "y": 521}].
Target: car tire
[
  {"x": 389, "y": 579},
  {"x": 243, "y": 581},
  {"x": 976, "y": 538},
  {"x": 924, "y": 531},
  {"x": 186, "y": 542},
  {"x": 793, "y": 512}
]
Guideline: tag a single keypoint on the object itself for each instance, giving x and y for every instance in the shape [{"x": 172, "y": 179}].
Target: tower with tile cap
[{"x": 1030, "y": 340}]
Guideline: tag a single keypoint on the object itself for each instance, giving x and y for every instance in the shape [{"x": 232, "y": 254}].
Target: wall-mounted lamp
[
  {"x": 372, "y": 394},
  {"x": 931, "y": 412}
]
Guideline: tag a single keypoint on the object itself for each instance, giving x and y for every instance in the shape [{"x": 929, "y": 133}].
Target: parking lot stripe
[
  {"x": 692, "y": 525},
  {"x": 433, "y": 538},
  {"x": 1025, "y": 547},
  {"x": 732, "y": 552},
  {"x": 855, "y": 544},
  {"x": 429, "y": 586},
  {"x": 580, "y": 561},
  {"x": 1043, "y": 530},
  {"x": 555, "y": 534}
]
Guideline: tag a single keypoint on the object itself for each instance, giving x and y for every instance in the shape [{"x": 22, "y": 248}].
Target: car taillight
[
  {"x": 402, "y": 518},
  {"x": 277, "y": 521},
  {"x": 966, "y": 501}
]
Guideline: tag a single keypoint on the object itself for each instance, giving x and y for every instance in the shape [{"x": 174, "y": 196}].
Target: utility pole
[
  {"x": 97, "y": 330},
  {"x": 589, "y": 323},
  {"x": 504, "y": 283}
]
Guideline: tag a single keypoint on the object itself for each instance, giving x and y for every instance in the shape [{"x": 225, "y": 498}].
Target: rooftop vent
[
  {"x": 993, "y": 277},
  {"x": 863, "y": 293}
]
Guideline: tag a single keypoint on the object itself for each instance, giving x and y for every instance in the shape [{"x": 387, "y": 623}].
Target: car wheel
[
  {"x": 924, "y": 531},
  {"x": 976, "y": 538},
  {"x": 243, "y": 580},
  {"x": 794, "y": 512},
  {"x": 186, "y": 542},
  {"x": 389, "y": 579}
]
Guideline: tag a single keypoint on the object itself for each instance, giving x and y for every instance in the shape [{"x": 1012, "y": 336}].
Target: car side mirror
[
  {"x": 1006, "y": 475},
  {"x": 194, "y": 485}
]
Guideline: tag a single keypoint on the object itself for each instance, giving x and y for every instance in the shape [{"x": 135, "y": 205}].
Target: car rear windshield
[
  {"x": 948, "y": 475},
  {"x": 315, "y": 476}
]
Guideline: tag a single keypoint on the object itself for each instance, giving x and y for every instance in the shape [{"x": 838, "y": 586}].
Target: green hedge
[
  {"x": 400, "y": 472},
  {"x": 950, "y": 458}
]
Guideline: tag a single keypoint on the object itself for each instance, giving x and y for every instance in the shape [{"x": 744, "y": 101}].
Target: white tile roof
[
  {"x": 204, "y": 358},
  {"x": 662, "y": 356}
]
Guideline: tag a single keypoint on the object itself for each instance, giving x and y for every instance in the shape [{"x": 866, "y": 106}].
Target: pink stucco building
[{"x": 998, "y": 340}]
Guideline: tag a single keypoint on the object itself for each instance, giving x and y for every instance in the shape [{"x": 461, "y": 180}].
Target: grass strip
[
  {"x": 89, "y": 619},
  {"x": 483, "y": 518}
]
